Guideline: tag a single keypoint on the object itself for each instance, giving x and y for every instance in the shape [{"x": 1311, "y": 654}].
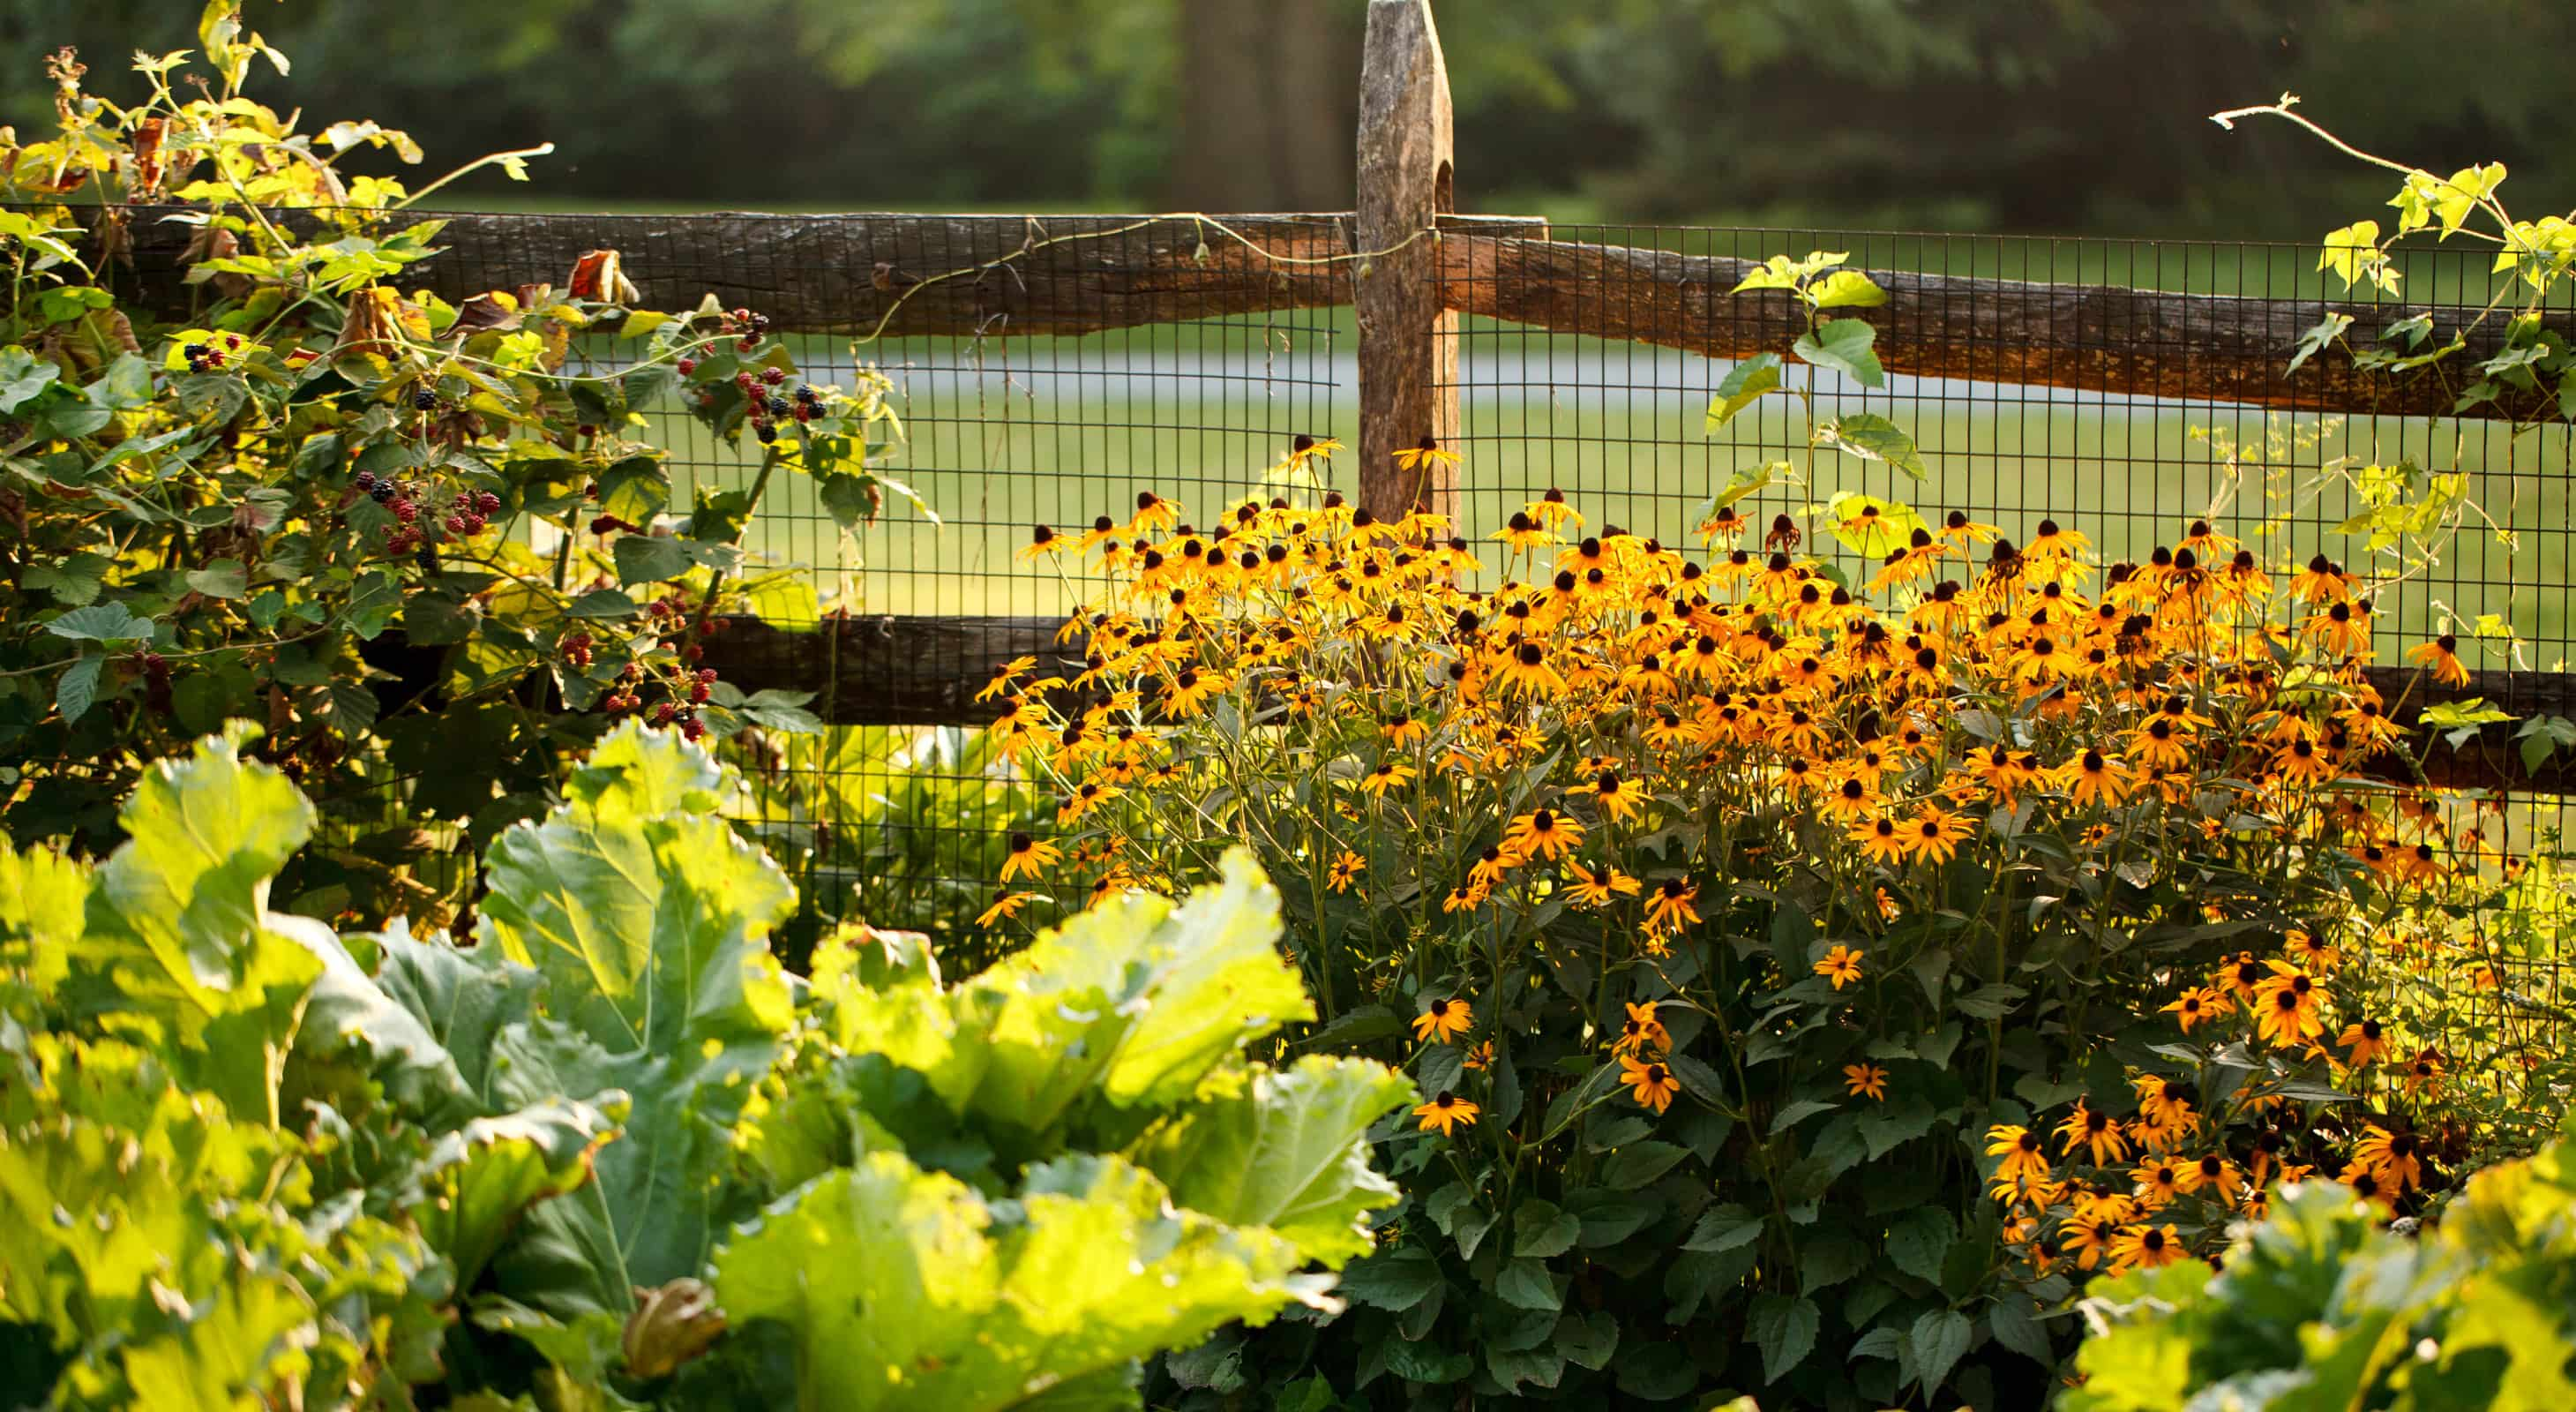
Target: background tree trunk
[{"x": 1268, "y": 94}]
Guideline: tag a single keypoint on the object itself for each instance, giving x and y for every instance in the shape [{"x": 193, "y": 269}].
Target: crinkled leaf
[
  {"x": 902, "y": 1291},
  {"x": 479, "y": 1180},
  {"x": 1288, "y": 1151}
]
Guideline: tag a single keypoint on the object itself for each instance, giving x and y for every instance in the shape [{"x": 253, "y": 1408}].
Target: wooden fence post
[{"x": 1408, "y": 353}]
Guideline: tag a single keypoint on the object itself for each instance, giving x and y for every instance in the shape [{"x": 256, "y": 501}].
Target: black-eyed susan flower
[
  {"x": 1006, "y": 905},
  {"x": 2286, "y": 1008},
  {"x": 2363, "y": 1042},
  {"x": 1424, "y": 453},
  {"x": 1345, "y": 870},
  {"x": 2397, "y": 1158},
  {"x": 1668, "y": 905},
  {"x": 1542, "y": 834},
  {"x": 1028, "y": 857},
  {"x": 2146, "y": 1247},
  {"x": 2370, "y": 1187},
  {"x": 2095, "y": 1131},
  {"x": 1153, "y": 512},
  {"x": 1386, "y": 775},
  {"x": 2197, "y": 1004},
  {"x": 1841, "y": 965},
  {"x": 2212, "y": 1174},
  {"x": 1597, "y": 887},
  {"x": 2423, "y": 1074},
  {"x": 2442, "y": 654},
  {"x": 2094, "y": 778},
  {"x": 2156, "y": 1183},
  {"x": 1934, "y": 834},
  {"x": 1881, "y": 839},
  {"x": 1445, "y": 1112},
  {"x": 1044, "y": 543},
  {"x": 1443, "y": 1020},
  {"x": 2025, "y": 1156},
  {"x": 1618, "y": 797},
  {"x": 1865, "y": 1081},
  {"x": 1650, "y": 1082}
]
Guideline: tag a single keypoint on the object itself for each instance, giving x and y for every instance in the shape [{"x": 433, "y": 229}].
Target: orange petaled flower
[
  {"x": 2423, "y": 1073},
  {"x": 1029, "y": 857},
  {"x": 2397, "y": 1158},
  {"x": 1934, "y": 834},
  {"x": 1345, "y": 871},
  {"x": 2364, "y": 1042},
  {"x": 1045, "y": 542},
  {"x": 1642, "y": 1030},
  {"x": 2371, "y": 1187},
  {"x": 1650, "y": 1082},
  {"x": 1865, "y": 1081},
  {"x": 1006, "y": 905},
  {"x": 1445, "y": 1112},
  {"x": 1386, "y": 775},
  {"x": 1542, "y": 834},
  {"x": 1841, "y": 965},
  {"x": 1668, "y": 907},
  {"x": 1618, "y": 798},
  {"x": 2214, "y": 1173},
  {"x": 2152, "y": 1247},
  {"x": 2442, "y": 654},
  {"x": 2094, "y": 778},
  {"x": 2025, "y": 1155},
  {"x": 2197, "y": 1004},
  {"x": 2287, "y": 1008},
  {"x": 1882, "y": 839},
  {"x": 2096, "y": 1131},
  {"x": 1443, "y": 1020}
]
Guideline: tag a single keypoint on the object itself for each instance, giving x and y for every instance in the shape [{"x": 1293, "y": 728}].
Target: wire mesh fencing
[{"x": 1055, "y": 391}]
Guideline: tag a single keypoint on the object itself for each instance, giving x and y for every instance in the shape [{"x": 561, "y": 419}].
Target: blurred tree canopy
[{"x": 2060, "y": 114}]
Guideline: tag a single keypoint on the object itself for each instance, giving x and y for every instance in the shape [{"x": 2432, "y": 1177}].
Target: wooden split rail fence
[{"x": 1410, "y": 267}]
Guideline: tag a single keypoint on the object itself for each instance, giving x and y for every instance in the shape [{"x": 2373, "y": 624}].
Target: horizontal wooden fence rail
[
  {"x": 924, "y": 671},
  {"x": 975, "y": 276}
]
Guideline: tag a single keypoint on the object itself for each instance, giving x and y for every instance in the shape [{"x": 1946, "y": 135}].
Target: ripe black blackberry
[
  {"x": 424, "y": 401},
  {"x": 381, "y": 492},
  {"x": 779, "y": 406},
  {"x": 427, "y": 558},
  {"x": 808, "y": 396},
  {"x": 766, "y": 433}
]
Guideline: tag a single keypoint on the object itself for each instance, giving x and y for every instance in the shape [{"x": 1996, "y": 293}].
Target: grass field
[{"x": 1057, "y": 431}]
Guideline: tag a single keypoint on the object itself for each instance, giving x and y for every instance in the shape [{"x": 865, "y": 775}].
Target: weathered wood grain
[
  {"x": 2196, "y": 347},
  {"x": 981, "y": 276},
  {"x": 1408, "y": 345},
  {"x": 908, "y": 275}
]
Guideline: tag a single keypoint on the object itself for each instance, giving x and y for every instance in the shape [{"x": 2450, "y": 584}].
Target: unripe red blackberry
[
  {"x": 687, "y": 366},
  {"x": 404, "y": 509},
  {"x": 486, "y": 503}
]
